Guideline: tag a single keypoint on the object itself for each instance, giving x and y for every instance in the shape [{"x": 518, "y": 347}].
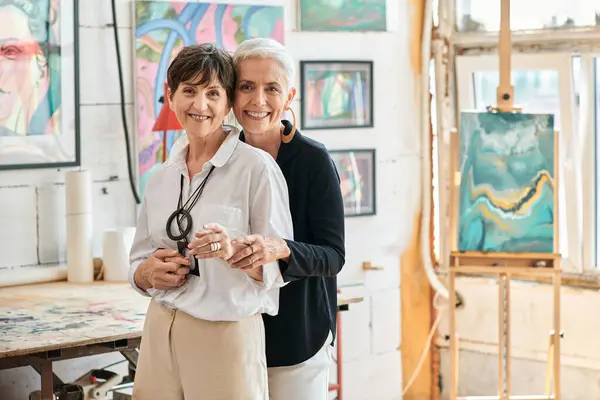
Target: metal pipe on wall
[{"x": 426, "y": 190}]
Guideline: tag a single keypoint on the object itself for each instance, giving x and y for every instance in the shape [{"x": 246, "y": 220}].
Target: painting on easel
[{"x": 506, "y": 200}]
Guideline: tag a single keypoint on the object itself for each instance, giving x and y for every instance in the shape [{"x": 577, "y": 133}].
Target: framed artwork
[
  {"x": 336, "y": 94},
  {"x": 507, "y": 194},
  {"x": 357, "y": 180},
  {"x": 39, "y": 84},
  {"x": 161, "y": 29},
  {"x": 343, "y": 15}
]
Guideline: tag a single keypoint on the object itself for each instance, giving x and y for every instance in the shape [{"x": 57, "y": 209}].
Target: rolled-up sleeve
[
  {"x": 270, "y": 214},
  {"x": 141, "y": 248}
]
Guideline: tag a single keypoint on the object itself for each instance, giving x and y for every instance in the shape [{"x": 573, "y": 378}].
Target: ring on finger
[{"x": 215, "y": 246}]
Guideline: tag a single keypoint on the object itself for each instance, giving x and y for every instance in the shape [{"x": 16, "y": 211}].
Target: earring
[{"x": 288, "y": 138}]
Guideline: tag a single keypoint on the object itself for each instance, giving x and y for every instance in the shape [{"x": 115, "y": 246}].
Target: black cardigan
[{"x": 308, "y": 303}]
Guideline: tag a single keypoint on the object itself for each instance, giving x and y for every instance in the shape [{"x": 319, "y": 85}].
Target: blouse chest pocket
[{"x": 230, "y": 218}]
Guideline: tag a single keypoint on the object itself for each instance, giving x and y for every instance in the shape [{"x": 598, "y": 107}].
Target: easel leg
[
  {"x": 453, "y": 339},
  {"x": 507, "y": 339},
  {"x": 504, "y": 380},
  {"x": 500, "y": 381},
  {"x": 556, "y": 358},
  {"x": 550, "y": 364}
]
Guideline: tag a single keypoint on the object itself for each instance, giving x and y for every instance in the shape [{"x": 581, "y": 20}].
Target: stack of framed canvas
[{"x": 338, "y": 94}]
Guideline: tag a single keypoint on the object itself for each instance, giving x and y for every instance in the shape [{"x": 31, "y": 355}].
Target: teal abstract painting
[{"x": 506, "y": 196}]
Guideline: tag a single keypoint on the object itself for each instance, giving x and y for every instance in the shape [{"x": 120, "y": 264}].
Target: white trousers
[{"x": 305, "y": 381}]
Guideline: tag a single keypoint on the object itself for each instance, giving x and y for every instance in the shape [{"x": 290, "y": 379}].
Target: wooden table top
[{"x": 50, "y": 316}]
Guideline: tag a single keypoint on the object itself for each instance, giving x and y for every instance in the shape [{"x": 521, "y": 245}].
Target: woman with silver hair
[{"x": 298, "y": 339}]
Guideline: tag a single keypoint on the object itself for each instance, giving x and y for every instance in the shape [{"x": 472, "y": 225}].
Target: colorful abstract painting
[
  {"x": 336, "y": 94},
  {"x": 342, "y": 15},
  {"x": 506, "y": 196},
  {"x": 357, "y": 180},
  {"x": 38, "y": 111},
  {"x": 161, "y": 29}
]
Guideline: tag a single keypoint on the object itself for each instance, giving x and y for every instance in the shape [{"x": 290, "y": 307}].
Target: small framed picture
[
  {"x": 336, "y": 94},
  {"x": 357, "y": 180}
]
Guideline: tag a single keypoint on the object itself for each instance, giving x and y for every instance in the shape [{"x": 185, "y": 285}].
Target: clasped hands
[{"x": 167, "y": 269}]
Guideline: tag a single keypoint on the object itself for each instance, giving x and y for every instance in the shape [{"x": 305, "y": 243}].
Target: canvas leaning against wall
[
  {"x": 161, "y": 29},
  {"x": 506, "y": 200},
  {"x": 39, "y": 119}
]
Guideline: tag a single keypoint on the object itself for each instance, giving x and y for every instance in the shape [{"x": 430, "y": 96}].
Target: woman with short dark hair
[{"x": 203, "y": 336}]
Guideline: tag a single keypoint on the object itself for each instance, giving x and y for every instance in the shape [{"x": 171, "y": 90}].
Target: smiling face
[
  {"x": 261, "y": 95},
  {"x": 200, "y": 107}
]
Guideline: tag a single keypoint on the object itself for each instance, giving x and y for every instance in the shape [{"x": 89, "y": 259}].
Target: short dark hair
[{"x": 204, "y": 62}]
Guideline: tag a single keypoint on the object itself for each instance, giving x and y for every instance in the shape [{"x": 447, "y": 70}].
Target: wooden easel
[{"x": 505, "y": 265}]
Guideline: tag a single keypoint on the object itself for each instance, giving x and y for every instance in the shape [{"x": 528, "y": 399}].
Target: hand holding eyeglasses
[
  {"x": 212, "y": 242},
  {"x": 163, "y": 270}
]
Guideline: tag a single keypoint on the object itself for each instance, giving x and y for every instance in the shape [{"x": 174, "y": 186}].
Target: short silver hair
[{"x": 266, "y": 49}]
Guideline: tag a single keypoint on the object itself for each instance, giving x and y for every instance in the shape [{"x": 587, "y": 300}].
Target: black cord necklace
[{"x": 182, "y": 214}]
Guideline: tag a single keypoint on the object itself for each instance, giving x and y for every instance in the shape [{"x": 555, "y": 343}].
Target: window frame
[
  {"x": 542, "y": 37},
  {"x": 590, "y": 152},
  {"x": 547, "y": 38},
  {"x": 580, "y": 41}
]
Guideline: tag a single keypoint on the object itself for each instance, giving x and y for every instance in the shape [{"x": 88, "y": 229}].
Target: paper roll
[
  {"x": 80, "y": 245},
  {"x": 116, "y": 245},
  {"x": 78, "y": 192}
]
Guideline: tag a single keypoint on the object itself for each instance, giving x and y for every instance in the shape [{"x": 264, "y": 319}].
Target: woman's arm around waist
[{"x": 325, "y": 254}]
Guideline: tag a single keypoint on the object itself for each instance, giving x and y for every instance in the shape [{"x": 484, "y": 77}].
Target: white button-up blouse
[{"x": 246, "y": 194}]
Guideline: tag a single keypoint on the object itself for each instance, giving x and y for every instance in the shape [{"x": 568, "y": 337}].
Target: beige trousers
[{"x": 185, "y": 358}]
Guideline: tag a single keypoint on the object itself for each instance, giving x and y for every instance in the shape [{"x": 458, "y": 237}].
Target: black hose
[{"x": 123, "y": 112}]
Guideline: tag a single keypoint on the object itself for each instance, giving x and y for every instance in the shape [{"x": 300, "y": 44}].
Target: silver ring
[
  {"x": 213, "y": 246},
  {"x": 217, "y": 245}
]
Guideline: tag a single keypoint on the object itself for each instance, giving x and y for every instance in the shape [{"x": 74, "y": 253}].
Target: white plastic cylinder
[
  {"x": 116, "y": 245},
  {"x": 80, "y": 227}
]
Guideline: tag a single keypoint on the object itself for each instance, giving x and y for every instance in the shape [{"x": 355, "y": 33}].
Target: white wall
[
  {"x": 531, "y": 319},
  {"x": 371, "y": 329}
]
